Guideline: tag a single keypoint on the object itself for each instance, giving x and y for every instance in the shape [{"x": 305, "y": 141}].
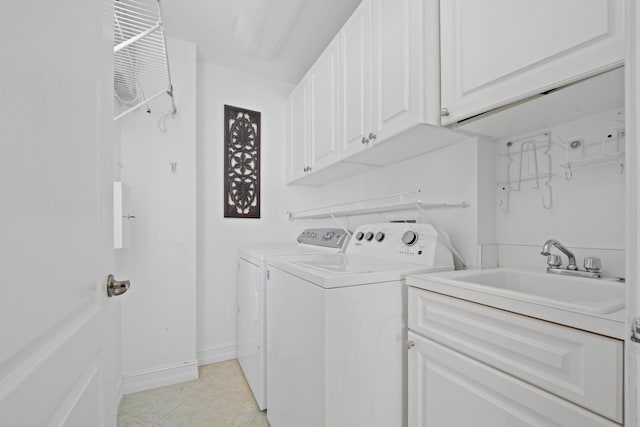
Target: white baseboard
[
  {"x": 217, "y": 353},
  {"x": 119, "y": 392},
  {"x": 159, "y": 377}
]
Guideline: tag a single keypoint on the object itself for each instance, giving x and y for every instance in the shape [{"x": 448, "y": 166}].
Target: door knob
[
  {"x": 444, "y": 112},
  {"x": 116, "y": 287}
]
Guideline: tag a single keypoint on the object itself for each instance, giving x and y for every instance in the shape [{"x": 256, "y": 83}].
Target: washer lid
[
  {"x": 339, "y": 270},
  {"x": 260, "y": 253}
]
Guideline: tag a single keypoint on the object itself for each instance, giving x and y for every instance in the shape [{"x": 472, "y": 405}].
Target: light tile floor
[{"x": 219, "y": 398}]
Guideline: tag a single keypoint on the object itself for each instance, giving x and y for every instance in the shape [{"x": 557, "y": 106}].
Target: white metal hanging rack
[
  {"x": 395, "y": 202},
  {"x": 603, "y": 157},
  {"x": 141, "y": 63},
  {"x": 527, "y": 151}
]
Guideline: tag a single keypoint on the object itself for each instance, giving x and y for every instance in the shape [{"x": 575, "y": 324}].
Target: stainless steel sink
[{"x": 574, "y": 293}]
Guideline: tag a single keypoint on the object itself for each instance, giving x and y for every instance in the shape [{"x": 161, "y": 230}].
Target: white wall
[
  {"x": 447, "y": 175},
  {"x": 158, "y": 312},
  {"x": 588, "y": 213},
  {"x": 219, "y": 238}
]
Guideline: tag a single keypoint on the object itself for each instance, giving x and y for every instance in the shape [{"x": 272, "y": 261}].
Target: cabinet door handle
[
  {"x": 411, "y": 344},
  {"x": 444, "y": 112},
  {"x": 372, "y": 136},
  {"x": 364, "y": 140}
]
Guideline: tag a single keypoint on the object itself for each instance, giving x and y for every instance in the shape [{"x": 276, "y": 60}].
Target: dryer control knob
[
  {"x": 359, "y": 235},
  {"x": 410, "y": 238},
  {"x": 379, "y": 236},
  {"x": 369, "y": 236}
]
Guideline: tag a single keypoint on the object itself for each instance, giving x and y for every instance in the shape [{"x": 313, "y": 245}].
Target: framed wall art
[{"x": 241, "y": 163}]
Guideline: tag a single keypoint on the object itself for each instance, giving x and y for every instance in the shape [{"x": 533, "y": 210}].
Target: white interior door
[
  {"x": 59, "y": 332},
  {"x": 632, "y": 70}
]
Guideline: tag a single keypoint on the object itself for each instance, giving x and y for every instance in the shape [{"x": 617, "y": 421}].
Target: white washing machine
[
  {"x": 336, "y": 328},
  {"x": 251, "y": 281}
]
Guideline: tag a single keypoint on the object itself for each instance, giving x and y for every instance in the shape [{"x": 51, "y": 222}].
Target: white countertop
[
  {"x": 340, "y": 270},
  {"x": 610, "y": 324}
]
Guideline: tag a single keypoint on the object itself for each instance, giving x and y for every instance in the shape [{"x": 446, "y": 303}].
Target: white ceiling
[{"x": 275, "y": 38}]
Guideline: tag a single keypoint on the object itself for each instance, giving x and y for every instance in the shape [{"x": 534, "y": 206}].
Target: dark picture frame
[{"x": 241, "y": 163}]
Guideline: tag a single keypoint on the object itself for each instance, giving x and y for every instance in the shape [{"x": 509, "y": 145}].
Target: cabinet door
[
  {"x": 495, "y": 52},
  {"x": 298, "y": 136},
  {"x": 449, "y": 389},
  {"x": 398, "y": 80},
  {"x": 355, "y": 63},
  {"x": 324, "y": 84}
]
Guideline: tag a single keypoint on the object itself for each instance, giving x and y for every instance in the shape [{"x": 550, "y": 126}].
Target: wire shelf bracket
[
  {"x": 369, "y": 206},
  {"x": 141, "y": 70}
]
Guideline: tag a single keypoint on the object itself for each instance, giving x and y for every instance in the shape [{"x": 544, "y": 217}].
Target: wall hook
[
  {"x": 568, "y": 175},
  {"x": 544, "y": 203},
  {"x": 504, "y": 204}
]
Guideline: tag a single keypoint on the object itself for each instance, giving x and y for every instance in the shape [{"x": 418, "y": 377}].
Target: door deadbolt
[{"x": 116, "y": 287}]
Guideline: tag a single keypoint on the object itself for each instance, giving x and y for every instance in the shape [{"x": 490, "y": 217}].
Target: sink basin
[{"x": 574, "y": 293}]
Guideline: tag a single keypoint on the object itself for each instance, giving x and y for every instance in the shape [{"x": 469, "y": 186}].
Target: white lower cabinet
[
  {"x": 447, "y": 388},
  {"x": 473, "y": 365}
]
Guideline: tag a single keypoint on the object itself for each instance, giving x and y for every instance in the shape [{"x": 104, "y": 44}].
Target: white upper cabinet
[
  {"x": 313, "y": 117},
  {"x": 297, "y": 132},
  {"x": 496, "y": 52},
  {"x": 373, "y": 95},
  {"x": 355, "y": 60},
  {"x": 324, "y": 102},
  {"x": 400, "y": 53},
  {"x": 390, "y": 71}
]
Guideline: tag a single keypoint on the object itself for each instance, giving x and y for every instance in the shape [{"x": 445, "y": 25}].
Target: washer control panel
[
  {"x": 327, "y": 237},
  {"x": 416, "y": 243}
]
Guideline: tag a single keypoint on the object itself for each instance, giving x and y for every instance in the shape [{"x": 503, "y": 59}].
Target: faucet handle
[
  {"x": 592, "y": 263},
  {"x": 554, "y": 260}
]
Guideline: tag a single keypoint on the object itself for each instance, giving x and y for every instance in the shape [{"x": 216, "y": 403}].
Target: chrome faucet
[
  {"x": 592, "y": 264},
  {"x": 546, "y": 251}
]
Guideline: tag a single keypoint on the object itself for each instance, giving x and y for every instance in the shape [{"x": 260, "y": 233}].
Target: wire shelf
[
  {"x": 372, "y": 206},
  {"x": 141, "y": 65}
]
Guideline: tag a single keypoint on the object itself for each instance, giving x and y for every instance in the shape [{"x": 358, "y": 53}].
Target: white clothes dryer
[
  {"x": 251, "y": 281},
  {"x": 336, "y": 328}
]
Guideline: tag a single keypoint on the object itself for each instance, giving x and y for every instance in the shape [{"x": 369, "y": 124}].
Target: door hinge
[
  {"x": 268, "y": 274},
  {"x": 635, "y": 330}
]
